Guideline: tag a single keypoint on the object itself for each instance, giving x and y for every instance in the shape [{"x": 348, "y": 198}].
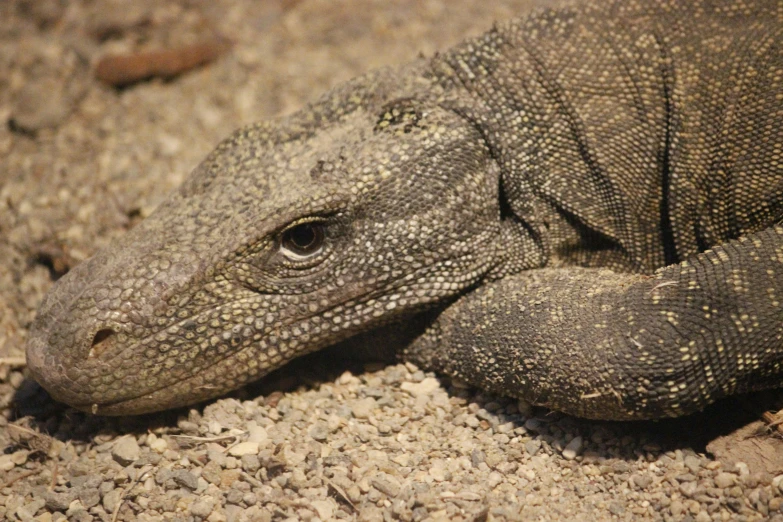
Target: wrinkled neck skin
[{"x": 395, "y": 171}]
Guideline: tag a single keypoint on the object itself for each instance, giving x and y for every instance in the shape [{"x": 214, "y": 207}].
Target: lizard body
[{"x": 580, "y": 205}]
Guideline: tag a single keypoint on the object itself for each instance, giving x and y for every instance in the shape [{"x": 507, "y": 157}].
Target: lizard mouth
[
  {"x": 112, "y": 379},
  {"x": 109, "y": 376}
]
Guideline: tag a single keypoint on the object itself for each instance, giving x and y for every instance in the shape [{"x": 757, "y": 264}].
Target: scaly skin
[{"x": 517, "y": 193}]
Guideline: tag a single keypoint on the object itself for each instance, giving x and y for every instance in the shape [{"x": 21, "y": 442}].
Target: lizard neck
[
  {"x": 533, "y": 230},
  {"x": 585, "y": 208}
]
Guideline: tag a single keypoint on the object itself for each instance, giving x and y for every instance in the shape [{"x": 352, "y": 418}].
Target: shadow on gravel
[
  {"x": 47, "y": 415},
  {"x": 699, "y": 429},
  {"x": 730, "y": 430}
]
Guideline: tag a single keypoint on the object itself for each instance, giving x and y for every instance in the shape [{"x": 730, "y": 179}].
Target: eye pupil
[
  {"x": 303, "y": 239},
  {"x": 303, "y": 236}
]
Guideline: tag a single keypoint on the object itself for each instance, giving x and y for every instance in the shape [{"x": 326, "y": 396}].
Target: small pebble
[
  {"x": 257, "y": 434},
  {"x": 185, "y": 479},
  {"x": 89, "y": 497},
  {"x": 28, "y": 511},
  {"x": 642, "y": 481},
  {"x": 532, "y": 447},
  {"x": 126, "y": 450},
  {"x": 693, "y": 463},
  {"x": 616, "y": 507},
  {"x": 6, "y": 464},
  {"x": 41, "y": 105},
  {"x": 244, "y": 448},
  {"x": 573, "y": 448},
  {"x": 202, "y": 507},
  {"x": 362, "y": 408},
  {"x": 438, "y": 471},
  {"x": 424, "y": 387},
  {"x": 525, "y": 408},
  {"x": 324, "y": 508},
  {"x": 320, "y": 431},
  {"x": 111, "y": 499},
  {"x": 59, "y": 501},
  {"x": 158, "y": 445},
  {"x": 386, "y": 484},
  {"x": 19, "y": 457},
  {"x": 725, "y": 480},
  {"x": 534, "y": 425}
]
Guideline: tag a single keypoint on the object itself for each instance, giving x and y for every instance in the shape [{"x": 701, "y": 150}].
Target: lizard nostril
[{"x": 103, "y": 340}]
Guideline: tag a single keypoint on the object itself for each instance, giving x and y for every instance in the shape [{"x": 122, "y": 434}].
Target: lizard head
[{"x": 373, "y": 203}]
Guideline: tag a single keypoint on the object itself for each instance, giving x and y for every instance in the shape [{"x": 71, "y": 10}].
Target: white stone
[
  {"x": 426, "y": 387},
  {"x": 244, "y": 448},
  {"x": 573, "y": 448}
]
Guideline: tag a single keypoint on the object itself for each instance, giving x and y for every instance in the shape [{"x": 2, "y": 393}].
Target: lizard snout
[
  {"x": 131, "y": 334},
  {"x": 86, "y": 344},
  {"x": 71, "y": 341}
]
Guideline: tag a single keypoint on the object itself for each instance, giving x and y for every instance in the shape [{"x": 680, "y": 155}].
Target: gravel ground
[{"x": 82, "y": 162}]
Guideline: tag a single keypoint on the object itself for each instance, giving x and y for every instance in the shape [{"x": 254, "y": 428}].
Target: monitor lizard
[{"x": 579, "y": 208}]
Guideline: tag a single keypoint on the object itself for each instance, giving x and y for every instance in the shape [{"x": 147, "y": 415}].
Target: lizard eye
[{"x": 302, "y": 241}]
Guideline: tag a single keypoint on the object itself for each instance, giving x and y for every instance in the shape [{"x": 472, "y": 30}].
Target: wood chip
[{"x": 122, "y": 70}]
